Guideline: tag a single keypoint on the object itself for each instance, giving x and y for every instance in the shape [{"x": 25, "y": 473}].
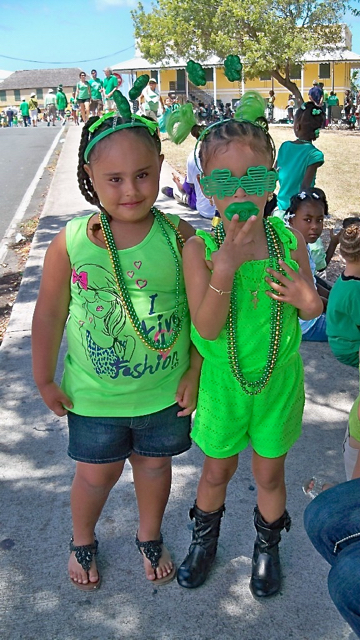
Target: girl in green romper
[{"x": 247, "y": 284}]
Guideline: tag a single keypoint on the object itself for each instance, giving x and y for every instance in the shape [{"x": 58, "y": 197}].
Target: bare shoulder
[
  {"x": 186, "y": 230},
  {"x": 194, "y": 246}
]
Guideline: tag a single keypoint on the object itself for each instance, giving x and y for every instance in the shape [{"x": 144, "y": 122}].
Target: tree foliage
[{"x": 269, "y": 35}]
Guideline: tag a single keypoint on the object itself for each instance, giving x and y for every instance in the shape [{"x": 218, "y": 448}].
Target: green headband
[{"x": 136, "y": 121}]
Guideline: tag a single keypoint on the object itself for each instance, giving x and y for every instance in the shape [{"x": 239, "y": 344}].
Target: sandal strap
[
  {"x": 84, "y": 553},
  {"x": 151, "y": 549}
]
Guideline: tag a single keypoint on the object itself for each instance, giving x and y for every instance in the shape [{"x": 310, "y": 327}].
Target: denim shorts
[{"x": 104, "y": 440}]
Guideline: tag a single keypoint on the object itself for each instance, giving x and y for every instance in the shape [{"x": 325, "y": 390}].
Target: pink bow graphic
[{"x": 81, "y": 278}]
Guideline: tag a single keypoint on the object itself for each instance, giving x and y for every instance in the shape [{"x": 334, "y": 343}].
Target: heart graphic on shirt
[
  {"x": 130, "y": 274},
  {"x": 137, "y": 264},
  {"x": 141, "y": 283}
]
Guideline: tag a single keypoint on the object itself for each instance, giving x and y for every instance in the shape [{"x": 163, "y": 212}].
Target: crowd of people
[{"x": 131, "y": 381}]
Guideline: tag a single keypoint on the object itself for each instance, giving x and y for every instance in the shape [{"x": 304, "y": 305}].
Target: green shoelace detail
[
  {"x": 252, "y": 388},
  {"x": 125, "y": 298}
]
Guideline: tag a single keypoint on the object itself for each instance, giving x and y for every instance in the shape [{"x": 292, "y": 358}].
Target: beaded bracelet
[{"x": 219, "y": 291}]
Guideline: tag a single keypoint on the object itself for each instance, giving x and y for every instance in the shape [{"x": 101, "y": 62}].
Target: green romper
[{"x": 226, "y": 417}]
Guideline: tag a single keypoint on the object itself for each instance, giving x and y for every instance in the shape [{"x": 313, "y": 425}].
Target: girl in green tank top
[
  {"x": 245, "y": 294},
  {"x": 130, "y": 382}
]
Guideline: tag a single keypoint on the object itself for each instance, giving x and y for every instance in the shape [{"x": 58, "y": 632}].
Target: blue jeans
[
  {"x": 332, "y": 522},
  {"x": 317, "y": 333}
]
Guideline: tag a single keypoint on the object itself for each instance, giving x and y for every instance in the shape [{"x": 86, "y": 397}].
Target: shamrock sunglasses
[{"x": 222, "y": 184}]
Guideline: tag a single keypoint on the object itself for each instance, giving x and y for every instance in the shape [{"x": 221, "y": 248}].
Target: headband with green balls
[{"x": 129, "y": 120}]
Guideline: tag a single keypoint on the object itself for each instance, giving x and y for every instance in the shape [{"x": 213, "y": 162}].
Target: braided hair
[
  {"x": 350, "y": 242},
  {"x": 310, "y": 118},
  {"x": 314, "y": 194}
]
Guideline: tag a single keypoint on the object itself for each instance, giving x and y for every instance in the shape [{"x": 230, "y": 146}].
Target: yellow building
[{"x": 332, "y": 68}]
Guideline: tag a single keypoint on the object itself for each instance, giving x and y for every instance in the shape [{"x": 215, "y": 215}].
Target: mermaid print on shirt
[{"x": 102, "y": 325}]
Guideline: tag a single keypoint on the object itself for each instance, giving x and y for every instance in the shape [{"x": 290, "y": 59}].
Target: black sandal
[
  {"x": 84, "y": 555},
  {"x": 152, "y": 550}
]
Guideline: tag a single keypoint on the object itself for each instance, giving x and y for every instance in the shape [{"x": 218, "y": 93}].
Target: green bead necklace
[
  {"x": 126, "y": 302},
  {"x": 252, "y": 388}
]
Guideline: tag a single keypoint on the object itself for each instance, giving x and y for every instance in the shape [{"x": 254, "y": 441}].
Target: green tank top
[
  {"x": 253, "y": 320},
  {"x": 108, "y": 369}
]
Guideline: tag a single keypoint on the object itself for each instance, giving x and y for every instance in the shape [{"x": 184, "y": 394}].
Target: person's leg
[
  {"x": 90, "y": 489},
  {"x": 269, "y": 474},
  {"x": 207, "y": 513},
  {"x": 152, "y": 480},
  {"x": 332, "y": 524},
  {"x": 82, "y": 110},
  {"x": 87, "y": 111},
  {"x": 343, "y": 585},
  {"x": 215, "y": 477},
  {"x": 270, "y": 518},
  {"x": 317, "y": 333}
]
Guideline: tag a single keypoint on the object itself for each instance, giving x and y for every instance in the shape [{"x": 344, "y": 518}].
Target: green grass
[{"x": 338, "y": 177}]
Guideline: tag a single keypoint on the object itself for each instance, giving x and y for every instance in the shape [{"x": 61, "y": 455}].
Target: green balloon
[
  {"x": 196, "y": 73},
  {"x": 243, "y": 209},
  {"x": 139, "y": 85},
  {"x": 233, "y": 68}
]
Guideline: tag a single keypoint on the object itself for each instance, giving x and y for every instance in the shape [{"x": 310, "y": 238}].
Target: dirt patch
[{"x": 11, "y": 272}]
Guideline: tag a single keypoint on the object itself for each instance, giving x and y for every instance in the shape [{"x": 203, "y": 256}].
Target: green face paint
[
  {"x": 243, "y": 209},
  {"x": 222, "y": 184}
]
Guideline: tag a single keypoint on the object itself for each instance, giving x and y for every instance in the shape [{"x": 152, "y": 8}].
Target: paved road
[{"x": 21, "y": 152}]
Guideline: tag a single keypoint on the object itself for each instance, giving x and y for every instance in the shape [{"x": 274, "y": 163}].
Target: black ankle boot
[
  {"x": 193, "y": 571},
  {"x": 266, "y": 573}
]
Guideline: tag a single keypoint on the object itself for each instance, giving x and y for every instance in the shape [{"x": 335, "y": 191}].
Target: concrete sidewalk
[{"x": 36, "y": 597}]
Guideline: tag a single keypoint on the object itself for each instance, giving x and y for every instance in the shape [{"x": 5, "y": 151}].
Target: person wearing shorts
[
  {"x": 82, "y": 96},
  {"x": 96, "y": 105}
]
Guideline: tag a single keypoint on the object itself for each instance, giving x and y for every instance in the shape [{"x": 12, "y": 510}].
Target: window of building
[
  {"x": 180, "y": 80},
  {"x": 265, "y": 76},
  {"x": 17, "y": 95},
  {"x": 155, "y": 75},
  {"x": 39, "y": 94},
  {"x": 3, "y": 96},
  {"x": 209, "y": 74},
  {"x": 324, "y": 70},
  {"x": 295, "y": 72}
]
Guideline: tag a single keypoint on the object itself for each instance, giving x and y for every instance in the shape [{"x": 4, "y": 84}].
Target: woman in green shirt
[{"x": 82, "y": 96}]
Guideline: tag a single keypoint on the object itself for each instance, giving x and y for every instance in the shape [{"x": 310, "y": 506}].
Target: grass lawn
[{"x": 338, "y": 177}]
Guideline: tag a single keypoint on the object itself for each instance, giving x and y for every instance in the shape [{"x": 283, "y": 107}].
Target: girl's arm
[
  {"x": 309, "y": 176},
  {"x": 49, "y": 319},
  {"x": 208, "y": 285},
  {"x": 187, "y": 391},
  {"x": 298, "y": 289},
  {"x": 334, "y": 241}
]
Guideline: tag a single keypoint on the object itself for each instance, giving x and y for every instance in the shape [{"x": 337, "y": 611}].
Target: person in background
[
  {"x": 290, "y": 108},
  {"x": 270, "y": 105},
  {"x": 10, "y": 115},
  {"x": 316, "y": 94},
  {"x": 24, "y": 108},
  {"x": 33, "y": 107},
  {"x": 151, "y": 98},
  {"x": 74, "y": 108},
  {"x": 61, "y": 103},
  {"x": 332, "y": 524},
  {"x": 332, "y": 101},
  {"x": 50, "y": 106},
  {"x": 110, "y": 84},
  {"x": 348, "y": 103},
  {"x": 82, "y": 95},
  {"x": 96, "y": 105}
]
